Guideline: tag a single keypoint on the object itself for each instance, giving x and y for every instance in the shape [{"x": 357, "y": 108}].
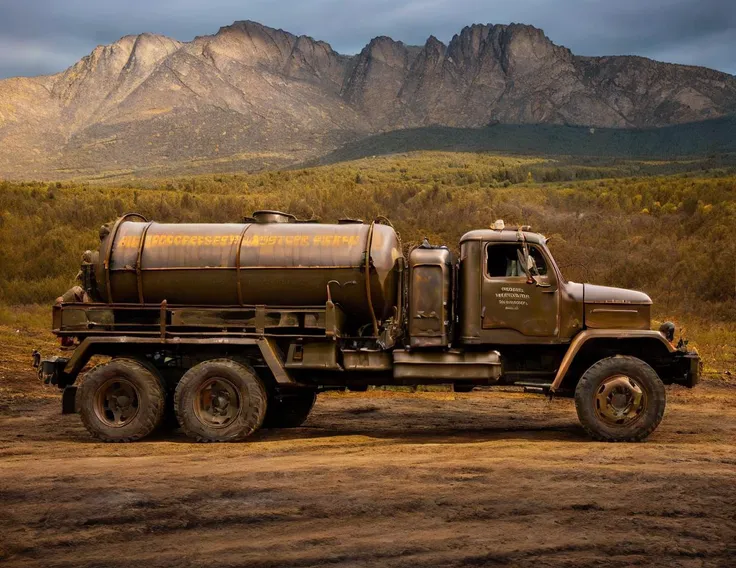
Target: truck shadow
[
  {"x": 431, "y": 435},
  {"x": 409, "y": 434},
  {"x": 426, "y": 422}
]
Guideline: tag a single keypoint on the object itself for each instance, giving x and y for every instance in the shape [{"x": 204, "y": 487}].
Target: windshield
[{"x": 553, "y": 263}]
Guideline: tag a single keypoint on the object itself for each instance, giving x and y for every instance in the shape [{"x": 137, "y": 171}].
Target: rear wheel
[
  {"x": 620, "y": 399},
  {"x": 289, "y": 410},
  {"x": 121, "y": 401},
  {"x": 220, "y": 401}
]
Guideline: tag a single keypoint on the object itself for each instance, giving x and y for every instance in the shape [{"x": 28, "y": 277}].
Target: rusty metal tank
[{"x": 272, "y": 260}]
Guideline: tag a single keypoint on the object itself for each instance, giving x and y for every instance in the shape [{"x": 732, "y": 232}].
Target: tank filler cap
[
  {"x": 427, "y": 245},
  {"x": 268, "y": 216}
]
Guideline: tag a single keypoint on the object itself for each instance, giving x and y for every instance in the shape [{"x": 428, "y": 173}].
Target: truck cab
[{"x": 514, "y": 293}]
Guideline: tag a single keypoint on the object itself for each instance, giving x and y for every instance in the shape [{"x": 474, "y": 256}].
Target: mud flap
[{"x": 69, "y": 400}]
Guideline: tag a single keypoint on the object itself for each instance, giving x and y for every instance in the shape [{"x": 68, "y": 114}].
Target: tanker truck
[{"x": 223, "y": 329}]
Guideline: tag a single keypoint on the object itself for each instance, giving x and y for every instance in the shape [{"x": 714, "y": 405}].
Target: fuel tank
[{"x": 273, "y": 260}]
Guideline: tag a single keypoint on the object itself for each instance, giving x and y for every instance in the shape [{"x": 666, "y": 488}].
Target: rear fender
[{"x": 91, "y": 346}]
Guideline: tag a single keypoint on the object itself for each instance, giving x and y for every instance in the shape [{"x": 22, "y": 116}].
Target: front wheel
[
  {"x": 220, "y": 401},
  {"x": 620, "y": 399}
]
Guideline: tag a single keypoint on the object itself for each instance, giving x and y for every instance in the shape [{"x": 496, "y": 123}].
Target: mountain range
[{"x": 251, "y": 96}]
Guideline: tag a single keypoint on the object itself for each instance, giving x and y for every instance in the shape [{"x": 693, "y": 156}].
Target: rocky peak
[
  {"x": 428, "y": 62},
  {"x": 511, "y": 45},
  {"x": 385, "y": 50},
  {"x": 248, "y": 43},
  {"x": 107, "y": 75},
  {"x": 83, "y": 86},
  {"x": 250, "y": 28},
  {"x": 433, "y": 49},
  {"x": 277, "y": 51},
  {"x": 377, "y": 77},
  {"x": 524, "y": 49},
  {"x": 469, "y": 43},
  {"x": 315, "y": 60},
  {"x": 148, "y": 49}
]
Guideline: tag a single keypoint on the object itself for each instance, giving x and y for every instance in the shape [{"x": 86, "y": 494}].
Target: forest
[{"x": 665, "y": 227}]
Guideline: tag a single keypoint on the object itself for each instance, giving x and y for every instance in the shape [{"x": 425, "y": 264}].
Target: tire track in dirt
[{"x": 422, "y": 479}]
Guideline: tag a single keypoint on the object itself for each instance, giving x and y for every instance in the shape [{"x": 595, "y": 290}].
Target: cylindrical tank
[{"x": 274, "y": 261}]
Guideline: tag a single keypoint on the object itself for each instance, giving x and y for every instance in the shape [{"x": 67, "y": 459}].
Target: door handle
[{"x": 548, "y": 291}]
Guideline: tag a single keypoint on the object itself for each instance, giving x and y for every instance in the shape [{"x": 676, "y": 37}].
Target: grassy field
[{"x": 665, "y": 227}]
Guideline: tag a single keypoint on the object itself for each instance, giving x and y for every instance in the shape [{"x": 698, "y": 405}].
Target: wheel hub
[
  {"x": 619, "y": 400},
  {"x": 217, "y": 402},
  {"x": 117, "y": 402}
]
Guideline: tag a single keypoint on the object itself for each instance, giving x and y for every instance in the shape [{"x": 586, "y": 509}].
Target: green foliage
[{"x": 670, "y": 235}]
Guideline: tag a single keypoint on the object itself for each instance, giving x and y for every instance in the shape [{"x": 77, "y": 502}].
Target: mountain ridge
[{"x": 253, "y": 91}]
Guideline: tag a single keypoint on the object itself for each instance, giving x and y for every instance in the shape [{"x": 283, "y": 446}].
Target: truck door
[{"x": 509, "y": 302}]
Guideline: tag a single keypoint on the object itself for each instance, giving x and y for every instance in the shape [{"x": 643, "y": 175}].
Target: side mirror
[
  {"x": 523, "y": 259},
  {"x": 527, "y": 264}
]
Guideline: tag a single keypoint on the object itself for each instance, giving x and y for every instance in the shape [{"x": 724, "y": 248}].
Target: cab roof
[{"x": 508, "y": 235}]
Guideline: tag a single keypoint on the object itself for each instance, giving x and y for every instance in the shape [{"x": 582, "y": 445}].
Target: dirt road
[{"x": 377, "y": 479}]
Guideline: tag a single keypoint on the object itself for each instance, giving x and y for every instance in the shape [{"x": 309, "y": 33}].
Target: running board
[{"x": 446, "y": 366}]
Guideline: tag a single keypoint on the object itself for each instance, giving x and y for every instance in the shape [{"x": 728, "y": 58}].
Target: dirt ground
[{"x": 374, "y": 479}]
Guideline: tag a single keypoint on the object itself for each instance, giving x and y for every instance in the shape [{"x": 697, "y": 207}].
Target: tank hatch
[{"x": 268, "y": 216}]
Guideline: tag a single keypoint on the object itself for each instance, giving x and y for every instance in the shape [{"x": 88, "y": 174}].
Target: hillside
[
  {"x": 251, "y": 97},
  {"x": 703, "y": 138}
]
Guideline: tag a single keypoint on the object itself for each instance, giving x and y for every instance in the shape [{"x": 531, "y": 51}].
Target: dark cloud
[{"x": 45, "y": 36}]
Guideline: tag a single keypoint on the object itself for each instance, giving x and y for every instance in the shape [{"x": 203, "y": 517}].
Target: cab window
[{"x": 502, "y": 260}]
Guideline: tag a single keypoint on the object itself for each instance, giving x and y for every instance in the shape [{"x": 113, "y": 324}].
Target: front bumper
[{"x": 688, "y": 367}]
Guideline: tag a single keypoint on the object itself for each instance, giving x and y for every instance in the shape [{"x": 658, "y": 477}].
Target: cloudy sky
[{"x": 46, "y": 36}]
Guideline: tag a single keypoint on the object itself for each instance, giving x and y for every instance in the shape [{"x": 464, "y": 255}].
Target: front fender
[{"x": 581, "y": 338}]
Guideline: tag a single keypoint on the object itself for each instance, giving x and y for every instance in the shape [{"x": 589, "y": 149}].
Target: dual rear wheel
[{"x": 219, "y": 400}]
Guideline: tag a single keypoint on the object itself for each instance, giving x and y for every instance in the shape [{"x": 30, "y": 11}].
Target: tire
[
  {"x": 121, "y": 401},
  {"x": 220, "y": 401},
  {"x": 620, "y": 399},
  {"x": 289, "y": 410},
  {"x": 168, "y": 376}
]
